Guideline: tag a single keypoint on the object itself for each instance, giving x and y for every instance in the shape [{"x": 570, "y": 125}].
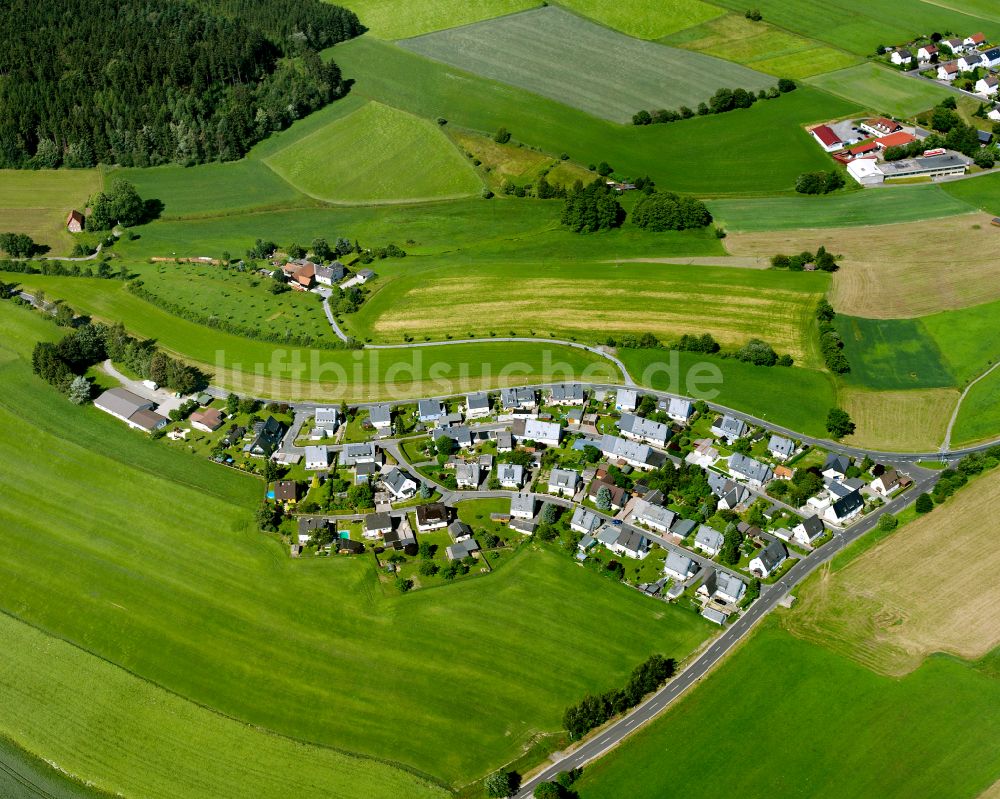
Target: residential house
[
  {"x": 714, "y": 615},
  {"x": 826, "y": 138},
  {"x": 267, "y": 438},
  {"x": 132, "y": 409},
  {"x": 947, "y": 71},
  {"x": 735, "y": 496},
  {"x": 729, "y": 428},
  {"x": 970, "y": 61},
  {"x": 887, "y": 482},
  {"x": 639, "y": 429},
  {"x": 460, "y": 434},
  {"x": 901, "y": 56},
  {"x": 955, "y": 44},
  {"x": 75, "y": 222},
  {"x": 991, "y": 58},
  {"x": 566, "y": 394},
  {"x": 510, "y": 475},
  {"x": 639, "y": 456},
  {"x": 400, "y": 484},
  {"x": 346, "y": 546},
  {"x": 301, "y": 274},
  {"x": 432, "y": 516},
  {"x": 317, "y": 458},
  {"x": 753, "y": 471},
  {"x": 574, "y": 416},
  {"x": 459, "y": 531},
  {"x": 364, "y": 471},
  {"x": 680, "y": 410},
  {"x": 477, "y": 405},
  {"x": 402, "y": 537},
  {"x": 380, "y": 417},
  {"x": 467, "y": 475},
  {"x": 678, "y": 566},
  {"x": 584, "y": 545},
  {"x": 808, "y": 530},
  {"x": 328, "y": 275},
  {"x": 880, "y": 126},
  {"x": 364, "y": 452},
  {"x": 584, "y": 521},
  {"x": 723, "y": 587},
  {"x": 463, "y": 549},
  {"x": 630, "y": 543},
  {"x": 709, "y": 541},
  {"x": 547, "y": 433},
  {"x": 325, "y": 422},
  {"x": 209, "y": 420},
  {"x": 618, "y": 495},
  {"x": 377, "y": 525},
  {"x": 286, "y": 491},
  {"x": 835, "y": 466},
  {"x": 312, "y": 526},
  {"x": 780, "y": 447},
  {"x": 627, "y": 400},
  {"x": 429, "y": 411},
  {"x": 655, "y": 517},
  {"x": 563, "y": 482},
  {"x": 486, "y": 462},
  {"x": 768, "y": 559},
  {"x": 522, "y": 506},
  {"x": 975, "y": 40},
  {"x": 518, "y": 399},
  {"x": 845, "y": 508},
  {"x": 926, "y": 52},
  {"x": 985, "y": 137},
  {"x": 783, "y": 473},
  {"x": 703, "y": 454},
  {"x": 505, "y": 441}
]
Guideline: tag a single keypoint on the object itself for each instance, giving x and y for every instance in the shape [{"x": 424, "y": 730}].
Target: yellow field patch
[
  {"x": 519, "y": 165},
  {"x": 929, "y": 588},
  {"x": 37, "y": 202},
  {"x": 894, "y": 421},
  {"x": 902, "y": 270}
]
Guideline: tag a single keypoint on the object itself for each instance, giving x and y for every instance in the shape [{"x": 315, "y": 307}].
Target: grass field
[
  {"x": 856, "y": 208},
  {"x": 646, "y": 19},
  {"x": 983, "y": 192},
  {"x": 387, "y": 19},
  {"x": 793, "y": 397},
  {"x": 883, "y": 611},
  {"x": 714, "y": 147},
  {"x": 591, "y": 301},
  {"x": 517, "y": 164},
  {"x": 571, "y": 60},
  {"x": 23, "y": 776},
  {"x": 892, "y": 354},
  {"x": 124, "y": 553},
  {"x": 899, "y": 421},
  {"x": 979, "y": 417},
  {"x": 967, "y": 338},
  {"x": 882, "y": 90},
  {"x": 37, "y": 202},
  {"x": 395, "y": 157},
  {"x": 761, "y": 46}
]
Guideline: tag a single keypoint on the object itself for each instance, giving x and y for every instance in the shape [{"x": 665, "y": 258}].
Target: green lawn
[
  {"x": 571, "y": 60},
  {"x": 394, "y": 157},
  {"x": 793, "y": 397},
  {"x": 388, "y": 19},
  {"x": 23, "y": 776},
  {"x": 783, "y": 717},
  {"x": 882, "y": 90},
  {"x": 967, "y": 339},
  {"x": 896, "y": 204},
  {"x": 37, "y": 202},
  {"x": 983, "y": 192},
  {"x": 979, "y": 416},
  {"x": 714, "y": 155},
  {"x": 645, "y": 19},
  {"x": 892, "y": 354}
]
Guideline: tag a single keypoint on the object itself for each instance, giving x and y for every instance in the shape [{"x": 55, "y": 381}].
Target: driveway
[{"x": 165, "y": 399}]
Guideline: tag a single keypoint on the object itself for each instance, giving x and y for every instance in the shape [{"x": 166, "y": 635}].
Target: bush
[
  {"x": 819, "y": 182},
  {"x": 924, "y": 504},
  {"x": 754, "y": 15},
  {"x": 662, "y": 211},
  {"x": 502, "y": 136},
  {"x": 838, "y": 423},
  {"x": 757, "y": 352}
]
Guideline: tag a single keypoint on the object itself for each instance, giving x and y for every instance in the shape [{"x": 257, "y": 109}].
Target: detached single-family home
[
  {"x": 459, "y": 531},
  {"x": 975, "y": 40},
  {"x": 432, "y": 516},
  {"x": 584, "y": 521},
  {"x": 377, "y": 525},
  {"x": 826, "y": 138},
  {"x": 312, "y": 526},
  {"x": 325, "y": 422},
  {"x": 880, "y": 126},
  {"x": 286, "y": 491},
  {"x": 678, "y": 566},
  {"x": 462, "y": 549},
  {"x": 808, "y": 530},
  {"x": 317, "y": 458},
  {"x": 563, "y": 482},
  {"x": 780, "y": 447},
  {"x": 729, "y": 428},
  {"x": 547, "y": 433},
  {"x": 208, "y": 420},
  {"x": 680, "y": 410},
  {"x": 566, "y": 394},
  {"x": 505, "y": 441},
  {"x": 709, "y": 541},
  {"x": 630, "y": 543},
  {"x": 970, "y": 61},
  {"x": 926, "y": 52},
  {"x": 639, "y": 429},
  {"x": 380, "y": 417},
  {"x": 267, "y": 438},
  {"x": 947, "y": 71},
  {"x": 835, "y": 466},
  {"x": 328, "y": 275},
  {"x": 518, "y": 398},
  {"x": 636, "y": 455},
  {"x": 987, "y": 86},
  {"x": 400, "y": 484},
  {"x": 429, "y": 411},
  {"x": 364, "y": 452},
  {"x": 477, "y": 405},
  {"x": 768, "y": 559},
  {"x": 617, "y": 494},
  {"x": 460, "y": 434},
  {"x": 753, "y": 471},
  {"x": 991, "y": 57},
  {"x": 655, "y": 517},
  {"x": 522, "y": 506},
  {"x": 703, "y": 454},
  {"x": 467, "y": 475},
  {"x": 401, "y": 537},
  {"x": 901, "y": 56},
  {"x": 845, "y": 508},
  {"x": 510, "y": 475},
  {"x": 722, "y": 587},
  {"x": 954, "y": 44},
  {"x": 132, "y": 409},
  {"x": 887, "y": 482},
  {"x": 626, "y": 399}
]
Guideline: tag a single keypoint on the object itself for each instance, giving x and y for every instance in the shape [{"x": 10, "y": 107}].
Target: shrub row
[
  {"x": 722, "y": 101},
  {"x": 830, "y": 342}
]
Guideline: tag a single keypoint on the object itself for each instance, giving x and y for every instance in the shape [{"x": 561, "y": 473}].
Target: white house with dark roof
[
  {"x": 510, "y": 475},
  {"x": 477, "y": 405},
  {"x": 429, "y": 411},
  {"x": 325, "y": 422},
  {"x": 460, "y": 434},
  {"x": 518, "y": 398},
  {"x": 709, "y": 540},
  {"x": 630, "y": 544},
  {"x": 967, "y": 62},
  {"x": 566, "y": 394},
  {"x": 753, "y": 471},
  {"x": 901, "y": 56},
  {"x": 991, "y": 58},
  {"x": 780, "y": 447},
  {"x": 678, "y": 566},
  {"x": 626, "y": 399},
  {"x": 505, "y": 441},
  {"x": 563, "y": 482},
  {"x": 364, "y": 452},
  {"x": 680, "y": 410},
  {"x": 547, "y": 433},
  {"x": 886, "y": 483},
  {"x": 808, "y": 530},
  {"x": 328, "y": 275},
  {"x": 399, "y": 484},
  {"x": 459, "y": 531},
  {"x": 987, "y": 86},
  {"x": 729, "y": 428},
  {"x": 845, "y": 508},
  {"x": 768, "y": 559},
  {"x": 639, "y": 429},
  {"x": 380, "y": 417},
  {"x": 636, "y": 455},
  {"x": 584, "y": 521},
  {"x": 467, "y": 475},
  {"x": 377, "y": 525},
  {"x": 522, "y": 506}
]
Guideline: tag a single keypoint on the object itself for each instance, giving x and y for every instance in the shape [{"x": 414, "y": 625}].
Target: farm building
[
  {"x": 898, "y": 139},
  {"x": 132, "y": 409},
  {"x": 880, "y": 126},
  {"x": 826, "y": 138},
  {"x": 75, "y": 222}
]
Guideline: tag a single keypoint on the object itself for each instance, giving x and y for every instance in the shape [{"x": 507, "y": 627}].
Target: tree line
[
  {"x": 87, "y": 82},
  {"x": 719, "y": 103},
  {"x": 830, "y": 342},
  {"x": 756, "y": 351},
  {"x": 595, "y": 207}
]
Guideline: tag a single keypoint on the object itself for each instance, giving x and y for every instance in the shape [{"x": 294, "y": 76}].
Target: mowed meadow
[{"x": 37, "y": 202}]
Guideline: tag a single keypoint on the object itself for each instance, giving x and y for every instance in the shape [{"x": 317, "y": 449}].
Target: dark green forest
[{"x": 145, "y": 82}]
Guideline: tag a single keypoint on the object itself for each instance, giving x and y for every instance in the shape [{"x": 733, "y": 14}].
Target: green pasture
[
  {"x": 709, "y": 156},
  {"x": 571, "y": 60},
  {"x": 377, "y": 154},
  {"x": 793, "y": 397},
  {"x": 895, "y": 204},
  {"x": 979, "y": 415},
  {"x": 967, "y": 338},
  {"x": 645, "y": 19},
  {"x": 983, "y": 192},
  {"x": 856, "y": 734},
  {"x": 882, "y": 90},
  {"x": 892, "y": 354},
  {"x": 388, "y": 19},
  {"x": 24, "y": 776},
  {"x": 37, "y": 202}
]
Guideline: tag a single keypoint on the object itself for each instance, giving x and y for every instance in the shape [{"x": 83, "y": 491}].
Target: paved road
[
  {"x": 611, "y": 736},
  {"x": 164, "y": 399},
  {"x": 330, "y": 318}
]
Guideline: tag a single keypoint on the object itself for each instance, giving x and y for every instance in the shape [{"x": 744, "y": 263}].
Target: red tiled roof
[
  {"x": 861, "y": 149},
  {"x": 897, "y": 139},
  {"x": 826, "y": 135}
]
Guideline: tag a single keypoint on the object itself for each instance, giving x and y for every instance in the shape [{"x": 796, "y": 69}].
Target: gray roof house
[
  {"x": 130, "y": 408},
  {"x": 505, "y": 441},
  {"x": 462, "y": 549},
  {"x": 467, "y": 475},
  {"x": 781, "y": 447},
  {"x": 656, "y": 517},
  {"x": 459, "y": 531},
  {"x": 399, "y": 484},
  {"x": 680, "y": 410},
  {"x": 768, "y": 559},
  {"x": 626, "y": 399},
  {"x": 477, "y": 405},
  {"x": 377, "y": 524},
  {"x": 547, "y": 433},
  {"x": 640, "y": 456},
  {"x": 678, "y": 566},
  {"x": 510, "y": 475},
  {"x": 754, "y": 472},
  {"x": 639, "y": 429},
  {"x": 715, "y": 616},
  {"x": 381, "y": 417},
  {"x": 729, "y": 427},
  {"x": 683, "y": 527},
  {"x": 566, "y": 394},
  {"x": 430, "y": 410},
  {"x": 708, "y": 540},
  {"x": 630, "y": 543},
  {"x": 317, "y": 458},
  {"x": 512, "y": 398},
  {"x": 353, "y": 454},
  {"x": 723, "y": 587},
  {"x": 585, "y": 521},
  {"x": 460, "y": 434},
  {"x": 522, "y": 506},
  {"x": 836, "y": 465},
  {"x": 325, "y": 421},
  {"x": 563, "y": 482}
]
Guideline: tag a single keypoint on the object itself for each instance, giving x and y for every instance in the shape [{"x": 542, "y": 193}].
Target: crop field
[
  {"x": 388, "y": 19},
  {"x": 793, "y": 397},
  {"x": 892, "y": 354},
  {"x": 882, "y": 90},
  {"x": 714, "y": 147},
  {"x": 395, "y": 157},
  {"x": 594, "y": 300},
  {"x": 37, "y": 202},
  {"x": 646, "y": 19},
  {"x": 899, "y": 421},
  {"x": 884, "y": 611},
  {"x": 813, "y": 723},
  {"x": 869, "y": 209},
  {"x": 761, "y": 46},
  {"x": 570, "y": 60},
  {"x": 979, "y": 417}
]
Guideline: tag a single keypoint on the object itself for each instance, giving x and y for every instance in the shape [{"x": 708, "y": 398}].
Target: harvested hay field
[
  {"x": 894, "y": 606},
  {"x": 878, "y": 260},
  {"x": 895, "y": 421}
]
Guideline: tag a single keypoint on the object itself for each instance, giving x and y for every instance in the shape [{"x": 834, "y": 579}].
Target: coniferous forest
[{"x": 144, "y": 82}]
